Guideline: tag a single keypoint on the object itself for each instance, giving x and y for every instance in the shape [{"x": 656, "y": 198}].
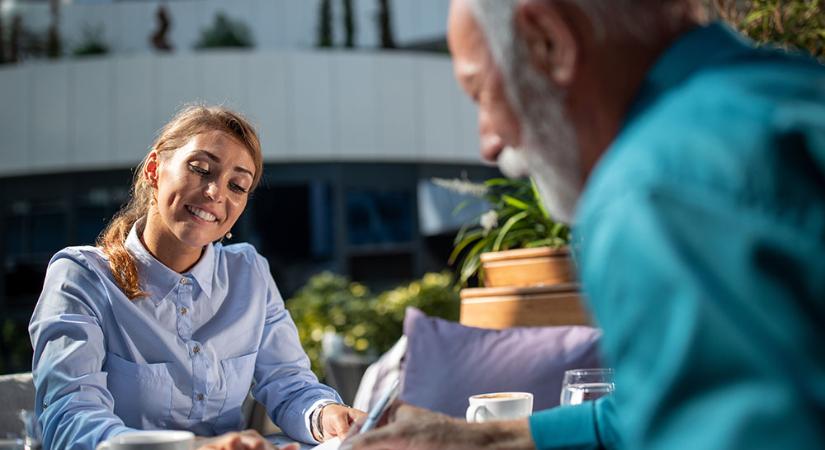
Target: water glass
[
  {"x": 32, "y": 435},
  {"x": 581, "y": 385}
]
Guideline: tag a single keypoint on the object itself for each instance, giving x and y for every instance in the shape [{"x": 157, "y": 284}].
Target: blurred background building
[{"x": 354, "y": 100}]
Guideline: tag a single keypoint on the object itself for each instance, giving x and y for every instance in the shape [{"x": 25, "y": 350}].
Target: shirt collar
[
  {"x": 162, "y": 279},
  {"x": 696, "y": 49}
]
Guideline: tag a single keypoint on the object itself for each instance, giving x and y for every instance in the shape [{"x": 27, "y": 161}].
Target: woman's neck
[{"x": 168, "y": 249}]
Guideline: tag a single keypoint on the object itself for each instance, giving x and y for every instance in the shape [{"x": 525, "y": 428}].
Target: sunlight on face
[
  {"x": 202, "y": 188},
  {"x": 532, "y": 136}
]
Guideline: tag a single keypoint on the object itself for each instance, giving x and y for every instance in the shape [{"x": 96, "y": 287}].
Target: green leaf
[
  {"x": 514, "y": 202},
  {"x": 537, "y": 197},
  {"x": 506, "y": 228},
  {"x": 468, "y": 239}
]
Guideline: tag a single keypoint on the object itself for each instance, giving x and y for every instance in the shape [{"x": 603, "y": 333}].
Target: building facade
[{"x": 351, "y": 136}]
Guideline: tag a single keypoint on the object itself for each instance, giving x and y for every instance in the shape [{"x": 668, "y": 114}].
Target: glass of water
[{"x": 581, "y": 385}]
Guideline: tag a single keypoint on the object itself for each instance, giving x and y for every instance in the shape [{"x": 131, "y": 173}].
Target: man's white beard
[
  {"x": 549, "y": 155},
  {"x": 549, "y": 152}
]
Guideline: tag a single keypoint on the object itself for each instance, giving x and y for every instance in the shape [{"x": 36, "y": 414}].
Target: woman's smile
[{"x": 201, "y": 214}]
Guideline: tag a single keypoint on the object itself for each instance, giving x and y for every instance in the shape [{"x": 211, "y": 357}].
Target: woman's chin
[{"x": 198, "y": 241}]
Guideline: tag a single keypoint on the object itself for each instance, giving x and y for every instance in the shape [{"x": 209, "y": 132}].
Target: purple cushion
[{"x": 447, "y": 362}]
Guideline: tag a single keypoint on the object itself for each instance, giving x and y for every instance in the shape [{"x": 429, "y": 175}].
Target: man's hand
[
  {"x": 336, "y": 420},
  {"x": 412, "y": 428},
  {"x": 245, "y": 440}
]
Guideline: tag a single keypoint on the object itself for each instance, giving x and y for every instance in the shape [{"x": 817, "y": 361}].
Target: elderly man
[{"x": 701, "y": 231}]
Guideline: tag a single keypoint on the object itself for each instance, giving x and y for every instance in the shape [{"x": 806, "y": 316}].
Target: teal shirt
[{"x": 701, "y": 247}]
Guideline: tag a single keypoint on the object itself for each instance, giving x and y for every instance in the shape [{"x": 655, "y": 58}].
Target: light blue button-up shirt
[{"x": 182, "y": 358}]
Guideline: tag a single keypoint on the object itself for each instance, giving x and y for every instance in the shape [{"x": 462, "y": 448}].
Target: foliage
[
  {"x": 225, "y": 32},
  {"x": 517, "y": 219},
  {"x": 325, "y": 30},
  {"x": 791, "y": 24},
  {"x": 325, "y": 24},
  {"x": 17, "y": 350},
  {"x": 384, "y": 20},
  {"x": 92, "y": 43},
  {"x": 370, "y": 324},
  {"x": 349, "y": 24}
]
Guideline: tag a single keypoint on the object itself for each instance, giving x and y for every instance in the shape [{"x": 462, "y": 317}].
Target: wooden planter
[
  {"x": 506, "y": 307},
  {"x": 541, "y": 266}
]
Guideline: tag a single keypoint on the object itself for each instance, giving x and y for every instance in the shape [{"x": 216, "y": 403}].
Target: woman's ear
[
  {"x": 550, "y": 39},
  {"x": 150, "y": 169}
]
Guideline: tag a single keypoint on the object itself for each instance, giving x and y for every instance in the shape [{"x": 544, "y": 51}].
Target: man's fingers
[
  {"x": 389, "y": 415},
  {"x": 385, "y": 438},
  {"x": 405, "y": 411}
]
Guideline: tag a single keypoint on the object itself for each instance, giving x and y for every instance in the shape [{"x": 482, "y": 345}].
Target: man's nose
[{"x": 490, "y": 139}]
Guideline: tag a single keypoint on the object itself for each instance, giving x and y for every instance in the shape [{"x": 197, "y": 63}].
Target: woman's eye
[
  {"x": 237, "y": 188},
  {"x": 198, "y": 170}
]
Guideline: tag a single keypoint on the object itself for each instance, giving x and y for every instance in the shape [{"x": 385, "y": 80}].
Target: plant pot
[
  {"x": 542, "y": 266},
  {"x": 505, "y": 307}
]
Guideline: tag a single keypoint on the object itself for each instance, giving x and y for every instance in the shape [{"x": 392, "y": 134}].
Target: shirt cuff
[
  {"x": 315, "y": 407},
  {"x": 565, "y": 427}
]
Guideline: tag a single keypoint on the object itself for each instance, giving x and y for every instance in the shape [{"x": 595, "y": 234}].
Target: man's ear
[
  {"x": 150, "y": 169},
  {"x": 550, "y": 39}
]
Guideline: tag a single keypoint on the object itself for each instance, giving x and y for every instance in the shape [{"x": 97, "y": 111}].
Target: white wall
[
  {"x": 127, "y": 25},
  {"x": 308, "y": 105}
]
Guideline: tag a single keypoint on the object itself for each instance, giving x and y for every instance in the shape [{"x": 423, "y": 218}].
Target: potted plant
[
  {"x": 516, "y": 242},
  {"x": 521, "y": 256}
]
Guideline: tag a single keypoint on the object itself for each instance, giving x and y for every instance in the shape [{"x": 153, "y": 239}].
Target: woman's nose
[{"x": 213, "y": 191}]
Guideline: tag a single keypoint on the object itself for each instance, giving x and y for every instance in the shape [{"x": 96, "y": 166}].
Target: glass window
[
  {"x": 294, "y": 221},
  {"x": 379, "y": 217},
  {"x": 91, "y": 220},
  {"x": 48, "y": 231},
  {"x": 15, "y": 235}
]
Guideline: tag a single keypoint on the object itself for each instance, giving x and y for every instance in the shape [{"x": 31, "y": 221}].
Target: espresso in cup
[{"x": 500, "y": 406}]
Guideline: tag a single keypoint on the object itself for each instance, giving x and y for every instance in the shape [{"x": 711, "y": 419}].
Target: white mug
[
  {"x": 150, "y": 440},
  {"x": 500, "y": 406}
]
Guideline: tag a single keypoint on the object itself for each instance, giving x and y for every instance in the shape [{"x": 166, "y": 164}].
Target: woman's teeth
[{"x": 202, "y": 214}]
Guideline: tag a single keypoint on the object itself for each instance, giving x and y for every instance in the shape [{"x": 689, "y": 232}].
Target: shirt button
[
  {"x": 200, "y": 397},
  {"x": 196, "y": 349},
  {"x": 184, "y": 281},
  {"x": 183, "y": 310}
]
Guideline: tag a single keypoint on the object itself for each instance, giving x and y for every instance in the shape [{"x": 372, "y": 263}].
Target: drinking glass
[
  {"x": 581, "y": 385},
  {"x": 31, "y": 430}
]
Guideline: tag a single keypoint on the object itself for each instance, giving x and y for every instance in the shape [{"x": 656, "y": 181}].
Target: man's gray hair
[{"x": 636, "y": 19}]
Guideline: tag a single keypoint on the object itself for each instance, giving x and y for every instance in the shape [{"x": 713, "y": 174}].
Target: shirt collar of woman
[{"x": 157, "y": 279}]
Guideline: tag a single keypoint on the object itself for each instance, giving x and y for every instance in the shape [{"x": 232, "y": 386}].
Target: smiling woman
[
  {"x": 184, "y": 144},
  {"x": 160, "y": 325}
]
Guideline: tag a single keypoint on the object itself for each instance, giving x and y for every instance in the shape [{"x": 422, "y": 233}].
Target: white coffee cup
[
  {"x": 500, "y": 406},
  {"x": 150, "y": 440}
]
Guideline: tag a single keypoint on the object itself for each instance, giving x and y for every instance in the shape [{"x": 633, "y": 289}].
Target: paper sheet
[{"x": 331, "y": 444}]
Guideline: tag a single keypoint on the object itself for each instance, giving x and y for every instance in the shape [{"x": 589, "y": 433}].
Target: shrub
[
  {"x": 370, "y": 324},
  {"x": 225, "y": 32}
]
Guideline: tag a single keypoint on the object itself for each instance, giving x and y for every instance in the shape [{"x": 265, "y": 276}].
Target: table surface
[{"x": 282, "y": 439}]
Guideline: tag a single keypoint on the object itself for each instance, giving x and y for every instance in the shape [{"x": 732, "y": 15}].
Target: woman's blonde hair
[{"x": 187, "y": 123}]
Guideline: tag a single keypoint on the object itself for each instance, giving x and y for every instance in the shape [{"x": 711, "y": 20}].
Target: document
[{"x": 331, "y": 444}]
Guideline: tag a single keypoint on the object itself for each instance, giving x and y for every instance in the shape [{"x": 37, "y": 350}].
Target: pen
[{"x": 378, "y": 410}]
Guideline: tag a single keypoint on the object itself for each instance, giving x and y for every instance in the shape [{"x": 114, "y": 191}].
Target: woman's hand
[
  {"x": 245, "y": 440},
  {"x": 336, "y": 420}
]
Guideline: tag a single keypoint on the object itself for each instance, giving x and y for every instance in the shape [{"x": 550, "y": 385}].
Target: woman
[{"x": 158, "y": 326}]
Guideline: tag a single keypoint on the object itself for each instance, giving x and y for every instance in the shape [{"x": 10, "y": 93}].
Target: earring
[{"x": 228, "y": 235}]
